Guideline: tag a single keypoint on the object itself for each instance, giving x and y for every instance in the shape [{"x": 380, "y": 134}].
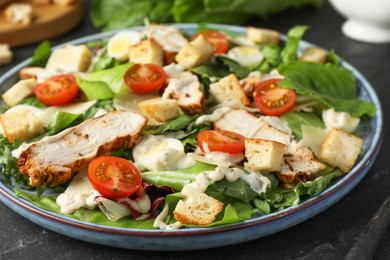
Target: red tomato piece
[
  {"x": 58, "y": 90},
  {"x": 272, "y": 99},
  {"x": 145, "y": 78},
  {"x": 114, "y": 177},
  {"x": 218, "y": 39},
  {"x": 221, "y": 141}
]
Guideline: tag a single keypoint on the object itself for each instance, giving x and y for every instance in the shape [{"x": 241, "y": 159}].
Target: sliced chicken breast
[{"x": 55, "y": 159}]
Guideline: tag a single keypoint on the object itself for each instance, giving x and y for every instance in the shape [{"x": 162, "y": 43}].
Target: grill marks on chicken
[{"x": 55, "y": 159}]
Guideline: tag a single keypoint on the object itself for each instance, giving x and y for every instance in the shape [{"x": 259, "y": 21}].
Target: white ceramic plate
[{"x": 200, "y": 238}]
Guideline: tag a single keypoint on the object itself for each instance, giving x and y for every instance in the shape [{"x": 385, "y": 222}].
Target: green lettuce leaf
[
  {"x": 62, "y": 120},
  {"x": 113, "y": 77},
  {"x": 104, "y": 62},
  {"x": 295, "y": 121},
  {"x": 176, "y": 178},
  {"x": 95, "y": 216},
  {"x": 334, "y": 87},
  {"x": 41, "y": 54},
  {"x": 315, "y": 187},
  {"x": 294, "y": 36},
  {"x": 8, "y": 163},
  {"x": 95, "y": 89}
]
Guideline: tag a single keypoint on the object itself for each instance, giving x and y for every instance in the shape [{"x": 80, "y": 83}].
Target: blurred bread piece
[
  {"x": 195, "y": 53},
  {"x": 159, "y": 109},
  {"x": 264, "y": 155},
  {"x": 228, "y": 92},
  {"x": 341, "y": 149},
  {"x": 19, "y": 91},
  {"x": 18, "y": 13},
  {"x": 146, "y": 51},
  {"x": 314, "y": 54},
  {"x": 41, "y": 2},
  {"x": 63, "y": 2},
  {"x": 32, "y": 72},
  {"x": 71, "y": 58},
  {"x": 197, "y": 209},
  {"x": 6, "y": 54},
  {"x": 21, "y": 124},
  {"x": 261, "y": 35}
]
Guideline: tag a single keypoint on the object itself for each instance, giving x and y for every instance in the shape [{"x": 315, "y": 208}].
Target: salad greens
[
  {"x": 116, "y": 14},
  {"x": 328, "y": 84}
]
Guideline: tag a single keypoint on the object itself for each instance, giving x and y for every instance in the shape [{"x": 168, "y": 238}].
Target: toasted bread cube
[
  {"x": 19, "y": 13},
  {"x": 316, "y": 55},
  {"x": 264, "y": 155},
  {"x": 21, "y": 124},
  {"x": 197, "y": 209},
  {"x": 195, "y": 53},
  {"x": 5, "y": 54},
  {"x": 63, "y": 2},
  {"x": 261, "y": 35},
  {"x": 228, "y": 91},
  {"x": 19, "y": 91},
  {"x": 341, "y": 149},
  {"x": 71, "y": 58},
  {"x": 159, "y": 109},
  {"x": 146, "y": 51},
  {"x": 41, "y": 2}
]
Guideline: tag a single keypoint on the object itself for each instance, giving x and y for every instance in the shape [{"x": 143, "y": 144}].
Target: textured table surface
[{"x": 329, "y": 235}]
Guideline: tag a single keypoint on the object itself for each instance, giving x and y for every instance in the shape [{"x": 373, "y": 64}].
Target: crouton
[
  {"x": 41, "y": 2},
  {"x": 186, "y": 89},
  {"x": 6, "y": 54},
  {"x": 71, "y": 58},
  {"x": 263, "y": 155},
  {"x": 19, "y": 91},
  {"x": 341, "y": 149},
  {"x": 21, "y": 124},
  {"x": 316, "y": 55},
  {"x": 159, "y": 109},
  {"x": 298, "y": 164},
  {"x": 195, "y": 53},
  {"x": 228, "y": 91},
  {"x": 63, "y": 2},
  {"x": 197, "y": 209},
  {"x": 146, "y": 51},
  {"x": 261, "y": 35},
  {"x": 19, "y": 13}
]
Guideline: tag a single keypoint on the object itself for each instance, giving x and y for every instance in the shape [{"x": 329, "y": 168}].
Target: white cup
[{"x": 367, "y": 20}]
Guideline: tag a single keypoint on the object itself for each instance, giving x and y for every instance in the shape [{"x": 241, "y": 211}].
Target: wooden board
[{"x": 49, "y": 20}]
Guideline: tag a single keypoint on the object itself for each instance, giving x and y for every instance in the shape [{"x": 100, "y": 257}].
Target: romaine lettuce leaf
[
  {"x": 62, "y": 120},
  {"x": 113, "y": 77},
  {"x": 295, "y": 121},
  {"x": 95, "y": 216},
  {"x": 8, "y": 163},
  {"x": 333, "y": 86},
  {"x": 95, "y": 89},
  {"x": 41, "y": 54},
  {"x": 294, "y": 36}
]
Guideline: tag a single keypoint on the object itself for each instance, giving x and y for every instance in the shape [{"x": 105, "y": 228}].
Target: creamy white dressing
[
  {"x": 158, "y": 153},
  {"x": 214, "y": 116},
  {"x": 142, "y": 205},
  {"x": 174, "y": 69},
  {"x": 76, "y": 195},
  {"x": 279, "y": 124},
  {"x": 340, "y": 120},
  {"x": 112, "y": 209}
]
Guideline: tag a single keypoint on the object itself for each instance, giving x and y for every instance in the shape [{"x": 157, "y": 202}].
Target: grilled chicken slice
[
  {"x": 55, "y": 159},
  {"x": 249, "y": 126},
  {"x": 299, "y": 164},
  {"x": 186, "y": 89}
]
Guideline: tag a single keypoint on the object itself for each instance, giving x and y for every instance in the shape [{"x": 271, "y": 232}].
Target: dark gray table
[{"x": 329, "y": 235}]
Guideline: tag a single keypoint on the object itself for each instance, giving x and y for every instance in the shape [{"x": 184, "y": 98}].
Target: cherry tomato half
[
  {"x": 114, "y": 177},
  {"x": 221, "y": 141},
  {"x": 272, "y": 99},
  {"x": 145, "y": 78},
  {"x": 58, "y": 90},
  {"x": 218, "y": 39}
]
